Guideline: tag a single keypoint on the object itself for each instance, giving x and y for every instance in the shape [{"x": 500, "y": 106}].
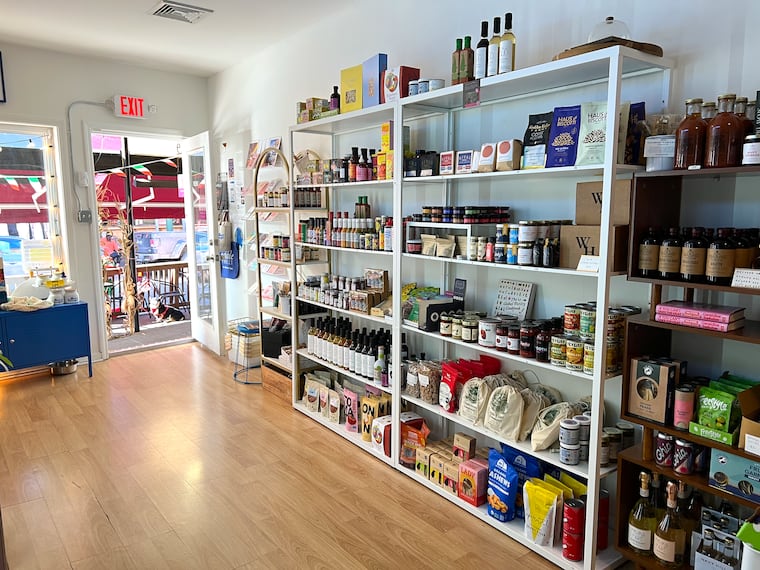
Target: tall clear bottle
[
  {"x": 690, "y": 137},
  {"x": 507, "y": 46},
  {"x": 492, "y": 67},
  {"x": 481, "y": 52},
  {"x": 725, "y": 135},
  {"x": 642, "y": 521},
  {"x": 670, "y": 537}
]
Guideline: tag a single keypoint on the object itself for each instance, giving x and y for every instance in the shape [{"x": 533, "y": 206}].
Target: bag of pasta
[{"x": 504, "y": 412}]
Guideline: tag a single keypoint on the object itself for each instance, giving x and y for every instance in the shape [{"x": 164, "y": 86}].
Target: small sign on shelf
[
  {"x": 746, "y": 278},
  {"x": 588, "y": 264}
]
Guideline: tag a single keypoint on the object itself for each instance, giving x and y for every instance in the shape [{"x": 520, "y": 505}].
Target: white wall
[
  {"x": 40, "y": 87},
  {"x": 256, "y": 98}
]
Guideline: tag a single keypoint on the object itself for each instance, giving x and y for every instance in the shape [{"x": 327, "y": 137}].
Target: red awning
[
  {"x": 161, "y": 200},
  {"x": 23, "y": 197}
]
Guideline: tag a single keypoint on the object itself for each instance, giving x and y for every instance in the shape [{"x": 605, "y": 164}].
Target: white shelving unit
[{"x": 439, "y": 121}]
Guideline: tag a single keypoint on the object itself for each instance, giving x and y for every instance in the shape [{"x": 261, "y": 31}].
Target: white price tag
[
  {"x": 588, "y": 264},
  {"x": 748, "y": 278}
]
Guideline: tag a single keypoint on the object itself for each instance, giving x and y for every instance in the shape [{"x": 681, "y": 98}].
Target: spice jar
[
  {"x": 528, "y": 333},
  {"x": 690, "y": 137}
]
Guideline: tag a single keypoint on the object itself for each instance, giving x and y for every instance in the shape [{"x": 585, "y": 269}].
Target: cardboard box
[
  {"x": 383, "y": 309},
  {"x": 351, "y": 89},
  {"x": 575, "y": 241},
  {"x": 749, "y": 434},
  {"x": 362, "y": 301},
  {"x": 386, "y": 136},
  {"x": 422, "y": 466},
  {"x": 429, "y": 311},
  {"x": 277, "y": 383},
  {"x": 588, "y": 203},
  {"x": 396, "y": 82},
  {"x": 464, "y": 446},
  {"x": 451, "y": 477},
  {"x": 414, "y": 434},
  {"x": 381, "y": 434},
  {"x": 446, "y": 165},
  {"x": 728, "y": 438},
  {"x": 437, "y": 462},
  {"x": 473, "y": 481},
  {"x": 372, "y": 77},
  {"x": 651, "y": 390},
  {"x": 735, "y": 475},
  {"x": 508, "y": 155},
  {"x": 464, "y": 162},
  {"x": 377, "y": 279}
]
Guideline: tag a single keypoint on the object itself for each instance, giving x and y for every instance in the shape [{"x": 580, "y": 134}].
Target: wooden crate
[{"x": 276, "y": 382}]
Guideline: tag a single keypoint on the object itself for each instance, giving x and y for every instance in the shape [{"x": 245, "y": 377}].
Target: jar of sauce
[
  {"x": 502, "y": 332},
  {"x": 690, "y": 137},
  {"x": 543, "y": 343},
  {"x": 470, "y": 329},
  {"x": 725, "y": 135},
  {"x": 445, "y": 324},
  {"x": 513, "y": 339},
  {"x": 528, "y": 333},
  {"x": 456, "y": 327}
]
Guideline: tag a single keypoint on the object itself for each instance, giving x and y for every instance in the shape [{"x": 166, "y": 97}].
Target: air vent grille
[{"x": 180, "y": 12}]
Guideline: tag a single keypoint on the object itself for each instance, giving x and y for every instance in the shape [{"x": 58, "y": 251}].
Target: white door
[{"x": 206, "y": 293}]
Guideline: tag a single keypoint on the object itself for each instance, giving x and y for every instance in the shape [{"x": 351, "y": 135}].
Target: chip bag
[{"x": 503, "y": 487}]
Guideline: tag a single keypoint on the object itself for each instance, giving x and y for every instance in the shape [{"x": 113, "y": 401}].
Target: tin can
[
  {"x": 588, "y": 358},
  {"x": 574, "y": 354},
  {"x": 487, "y": 332},
  {"x": 587, "y": 328},
  {"x": 569, "y": 432},
  {"x": 572, "y": 319},
  {"x": 683, "y": 409},
  {"x": 604, "y": 510},
  {"x": 616, "y": 440},
  {"x": 570, "y": 454},
  {"x": 615, "y": 325},
  {"x": 413, "y": 87},
  {"x": 572, "y": 546},
  {"x": 604, "y": 451},
  {"x": 683, "y": 457},
  {"x": 584, "y": 425},
  {"x": 584, "y": 450},
  {"x": 612, "y": 357},
  {"x": 558, "y": 350},
  {"x": 574, "y": 516},
  {"x": 663, "y": 451}
]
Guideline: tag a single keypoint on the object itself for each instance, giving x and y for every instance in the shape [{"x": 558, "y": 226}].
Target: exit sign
[{"x": 131, "y": 107}]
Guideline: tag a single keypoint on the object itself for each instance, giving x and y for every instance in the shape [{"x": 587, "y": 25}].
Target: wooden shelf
[
  {"x": 703, "y": 172},
  {"x": 648, "y": 562},
  {"x": 749, "y": 334},
  {"x": 696, "y": 480},
  {"x": 702, "y": 286}
]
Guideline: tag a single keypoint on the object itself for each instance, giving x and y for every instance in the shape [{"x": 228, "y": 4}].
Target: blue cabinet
[{"x": 38, "y": 338}]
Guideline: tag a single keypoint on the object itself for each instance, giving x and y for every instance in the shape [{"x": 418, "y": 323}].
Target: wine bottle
[
  {"x": 670, "y": 537},
  {"x": 641, "y": 520},
  {"x": 656, "y": 496},
  {"x": 507, "y": 46},
  {"x": 467, "y": 62},
  {"x": 649, "y": 253},
  {"x": 456, "y": 62},
  {"x": 379, "y": 368},
  {"x": 481, "y": 52},
  {"x": 492, "y": 67}
]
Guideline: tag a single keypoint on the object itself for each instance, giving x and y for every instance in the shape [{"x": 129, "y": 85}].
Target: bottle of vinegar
[
  {"x": 669, "y": 264},
  {"x": 649, "y": 254},
  {"x": 481, "y": 52},
  {"x": 455, "y": 62},
  {"x": 493, "y": 48}
]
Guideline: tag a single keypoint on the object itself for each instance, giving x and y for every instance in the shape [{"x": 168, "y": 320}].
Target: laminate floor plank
[{"x": 161, "y": 461}]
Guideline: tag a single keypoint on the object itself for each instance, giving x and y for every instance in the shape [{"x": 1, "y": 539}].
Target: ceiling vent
[{"x": 180, "y": 12}]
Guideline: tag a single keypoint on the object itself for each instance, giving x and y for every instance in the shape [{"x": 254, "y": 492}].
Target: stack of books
[{"x": 700, "y": 315}]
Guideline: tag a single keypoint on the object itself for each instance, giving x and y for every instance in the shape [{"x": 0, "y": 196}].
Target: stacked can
[
  {"x": 584, "y": 435},
  {"x": 569, "y": 442},
  {"x": 573, "y": 524}
]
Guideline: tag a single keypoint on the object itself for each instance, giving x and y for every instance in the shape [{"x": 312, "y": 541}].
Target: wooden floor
[{"x": 162, "y": 461}]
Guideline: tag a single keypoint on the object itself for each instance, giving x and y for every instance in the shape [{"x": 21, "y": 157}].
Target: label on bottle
[
  {"x": 744, "y": 257},
  {"x": 720, "y": 262},
  {"x": 670, "y": 259},
  {"x": 481, "y": 57},
  {"x": 493, "y": 59},
  {"x": 693, "y": 260},
  {"x": 506, "y": 49},
  {"x": 664, "y": 549},
  {"x": 648, "y": 256},
  {"x": 640, "y": 538}
]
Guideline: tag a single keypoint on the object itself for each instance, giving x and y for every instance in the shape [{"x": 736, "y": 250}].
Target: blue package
[
  {"x": 563, "y": 136},
  {"x": 527, "y": 467},
  {"x": 503, "y": 487}
]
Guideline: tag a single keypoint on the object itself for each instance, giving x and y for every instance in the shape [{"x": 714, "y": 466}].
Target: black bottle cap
[
  {"x": 508, "y": 21},
  {"x": 484, "y": 29},
  {"x": 496, "y": 26}
]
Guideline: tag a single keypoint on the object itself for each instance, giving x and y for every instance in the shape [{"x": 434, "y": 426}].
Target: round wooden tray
[{"x": 610, "y": 41}]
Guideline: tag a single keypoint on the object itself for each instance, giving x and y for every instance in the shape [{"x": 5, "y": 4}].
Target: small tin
[
  {"x": 612, "y": 357},
  {"x": 413, "y": 87},
  {"x": 587, "y": 328},
  {"x": 569, "y": 432},
  {"x": 436, "y": 84},
  {"x": 572, "y": 546},
  {"x": 574, "y": 516},
  {"x": 588, "y": 358},
  {"x": 683, "y": 457},
  {"x": 584, "y": 450},
  {"x": 663, "y": 451},
  {"x": 604, "y": 451},
  {"x": 487, "y": 332},
  {"x": 584, "y": 425},
  {"x": 557, "y": 350},
  {"x": 570, "y": 454},
  {"x": 423, "y": 85},
  {"x": 616, "y": 439},
  {"x": 683, "y": 409},
  {"x": 574, "y": 354},
  {"x": 572, "y": 319}
]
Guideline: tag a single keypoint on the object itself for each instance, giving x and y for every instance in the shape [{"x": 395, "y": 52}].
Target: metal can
[
  {"x": 487, "y": 332},
  {"x": 663, "y": 451},
  {"x": 584, "y": 423},
  {"x": 615, "y": 325},
  {"x": 584, "y": 450},
  {"x": 683, "y": 409},
  {"x": 574, "y": 354},
  {"x": 616, "y": 439},
  {"x": 604, "y": 451},
  {"x": 574, "y": 516},
  {"x": 569, "y": 432},
  {"x": 572, "y": 546},
  {"x": 587, "y": 328},
  {"x": 570, "y": 454},
  {"x": 612, "y": 357},
  {"x": 683, "y": 457},
  {"x": 588, "y": 358},
  {"x": 572, "y": 319},
  {"x": 558, "y": 350}
]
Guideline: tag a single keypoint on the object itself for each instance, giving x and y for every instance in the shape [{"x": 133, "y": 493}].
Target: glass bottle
[
  {"x": 353, "y": 163},
  {"x": 721, "y": 256},
  {"x": 362, "y": 168},
  {"x": 455, "y": 62},
  {"x": 507, "y": 46},
  {"x": 670, "y": 537},
  {"x": 467, "y": 62},
  {"x": 641, "y": 520},
  {"x": 709, "y": 110},
  {"x": 669, "y": 264},
  {"x": 380, "y": 369},
  {"x": 725, "y": 136},
  {"x": 335, "y": 99},
  {"x": 547, "y": 258},
  {"x": 752, "y": 114},
  {"x": 694, "y": 257},
  {"x": 740, "y": 110},
  {"x": 481, "y": 52},
  {"x": 656, "y": 496},
  {"x": 649, "y": 254},
  {"x": 727, "y": 557},
  {"x": 690, "y": 137},
  {"x": 682, "y": 507},
  {"x": 707, "y": 548},
  {"x": 492, "y": 67},
  {"x": 745, "y": 251}
]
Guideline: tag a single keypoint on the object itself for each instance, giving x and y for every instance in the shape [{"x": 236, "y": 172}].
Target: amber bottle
[
  {"x": 725, "y": 136},
  {"x": 721, "y": 254},
  {"x": 669, "y": 264},
  {"x": 649, "y": 253},
  {"x": 694, "y": 257},
  {"x": 740, "y": 110},
  {"x": 690, "y": 136}
]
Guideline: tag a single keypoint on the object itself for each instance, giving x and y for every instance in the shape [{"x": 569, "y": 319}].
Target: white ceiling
[{"x": 125, "y": 30}]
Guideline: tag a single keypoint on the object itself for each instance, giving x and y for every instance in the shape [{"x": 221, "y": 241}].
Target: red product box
[{"x": 396, "y": 82}]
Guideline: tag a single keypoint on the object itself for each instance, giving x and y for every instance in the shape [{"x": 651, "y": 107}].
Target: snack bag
[
  {"x": 351, "y": 407},
  {"x": 716, "y": 409},
  {"x": 503, "y": 487},
  {"x": 540, "y": 513},
  {"x": 527, "y": 467},
  {"x": 333, "y": 399},
  {"x": 369, "y": 413}
]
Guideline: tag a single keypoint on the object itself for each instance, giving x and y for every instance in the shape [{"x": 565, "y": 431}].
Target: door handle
[
  {"x": 212, "y": 258},
  {"x": 12, "y": 341}
]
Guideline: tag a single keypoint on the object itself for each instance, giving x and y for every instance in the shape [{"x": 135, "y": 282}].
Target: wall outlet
[{"x": 84, "y": 216}]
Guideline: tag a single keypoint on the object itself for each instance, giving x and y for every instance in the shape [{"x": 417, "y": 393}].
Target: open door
[{"x": 206, "y": 293}]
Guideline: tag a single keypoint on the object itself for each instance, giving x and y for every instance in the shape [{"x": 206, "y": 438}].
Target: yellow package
[
  {"x": 567, "y": 492},
  {"x": 560, "y": 502},
  {"x": 540, "y": 506},
  {"x": 579, "y": 489}
]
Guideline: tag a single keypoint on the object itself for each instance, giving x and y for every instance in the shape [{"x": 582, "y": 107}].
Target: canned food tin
[
  {"x": 487, "y": 332},
  {"x": 557, "y": 351},
  {"x": 615, "y": 324},
  {"x": 584, "y": 423},
  {"x": 683, "y": 457},
  {"x": 588, "y": 324},
  {"x": 574, "y": 354},
  {"x": 616, "y": 439},
  {"x": 588, "y": 358},
  {"x": 612, "y": 357},
  {"x": 569, "y": 432},
  {"x": 572, "y": 546},
  {"x": 663, "y": 452},
  {"x": 574, "y": 516},
  {"x": 604, "y": 451},
  {"x": 584, "y": 450},
  {"x": 572, "y": 319},
  {"x": 570, "y": 454}
]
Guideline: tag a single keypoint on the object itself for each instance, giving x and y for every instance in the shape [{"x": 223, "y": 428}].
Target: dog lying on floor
[{"x": 164, "y": 313}]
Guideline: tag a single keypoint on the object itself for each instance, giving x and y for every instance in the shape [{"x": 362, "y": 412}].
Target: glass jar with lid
[
  {"x": 709, "y": 110},
  {"x": 725, "y": 135},
  {"x": 690, "y": 136},
  {"x": 740, "y": 110}
]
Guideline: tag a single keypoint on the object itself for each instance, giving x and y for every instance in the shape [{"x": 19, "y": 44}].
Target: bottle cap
[{"x": 508, "y": 21}]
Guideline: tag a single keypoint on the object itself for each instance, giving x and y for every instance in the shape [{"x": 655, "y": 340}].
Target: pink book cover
[
  {"x": 699, "y": 324},
  {"x": 703, "y": 311}
]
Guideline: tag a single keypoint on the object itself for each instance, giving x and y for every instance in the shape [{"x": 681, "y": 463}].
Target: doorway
[{"x": 143, "y": 241}]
